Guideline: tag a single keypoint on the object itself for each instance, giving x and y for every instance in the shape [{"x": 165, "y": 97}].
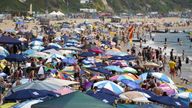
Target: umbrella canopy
[
  {"x": 64, "y": 91},
  {"x": 109, "y": 52},
  {"x": 3, "y": 51},
  {"x": 96, "y": 50},
  {"x": 39, "y": 55},
  {"x": 104, "y": 95},
  {"x": 27, "y": 104},
  {"x": 71, "y": 48},
  {"x": 113, "y": 68},
  {"x": 52, "y": 51},
  {"x": 38, "y": 85},
  {"x": 124, "y": 77},
  {"x": 29, "y": 94},
  {"x": 70, "y": 61},
  {"x": 129, "y": 69},
  {"x": 130, "y": 83},
  {"x": 110, "y": 86},
  {"x": 101, "y": 70},
  {"x": 160, "y": 76},
  {"x": 54, "y": 45},
  {"x": 16, "y": 58},
  {"x": 185, "y": 95},
  {"x": 38, "y": 48},
  {"x": 168, "y": 89},
  {"x": 87, "y": 54},
  {"x": 29, "y": 52},
  {"x": 60, "y": 82},
  {"x": 73, "y": 100},
  {"x": 135, "y": 96},
  {"x": 97, "y": 77},
  {"x": 36, "y": 43},
  {"x": 9, "y": 40},
  {"x": 56, "y": 56}
]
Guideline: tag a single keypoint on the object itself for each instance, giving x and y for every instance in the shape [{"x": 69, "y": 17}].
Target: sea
[{"x": 172, "y": 43}]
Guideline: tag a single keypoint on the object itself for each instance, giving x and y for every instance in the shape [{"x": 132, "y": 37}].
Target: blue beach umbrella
[
  {"x": 3, "y": 51},
  {"x": 109, "y": 85},
  {"x": 2, "y": 57},
  {"x": 36, "y": 43},
  {"x": 69, "y": 60},
  {"x": 87, "y": 54},
  {"x": 160, "y": 76},
  {"x": 29, "y": 94},
  {"x": 101, "y": 70},
  {"x": 130, "y": 83},
  {"x": 16, "y": 58},
  {"x": 114, "y": 68},
  {"x": 38, "y": 48},
  {"x": 29, "y": 51},
  {"x": 55, "y": 45}
]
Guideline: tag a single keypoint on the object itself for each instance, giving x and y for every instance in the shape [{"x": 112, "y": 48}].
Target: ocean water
[{"x": 172, "y": 43}]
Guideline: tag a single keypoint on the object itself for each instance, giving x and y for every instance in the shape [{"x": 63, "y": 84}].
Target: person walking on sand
[{"x": 179, "y": 64}]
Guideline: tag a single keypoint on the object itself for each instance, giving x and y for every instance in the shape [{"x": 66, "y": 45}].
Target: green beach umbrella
[{"x": 129, "y": 70}]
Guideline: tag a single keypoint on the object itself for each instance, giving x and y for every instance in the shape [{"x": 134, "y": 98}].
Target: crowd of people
[{"x": 96, "y": 36}]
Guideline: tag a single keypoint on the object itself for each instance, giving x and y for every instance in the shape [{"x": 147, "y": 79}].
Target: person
[
  {"x": 179, "y": 64},
  {"x": 172, "y": 66},
  {"x": 183, "y": 55},
  {"x": 171, "y": 54},
  {"x": 115, "y": 39}
]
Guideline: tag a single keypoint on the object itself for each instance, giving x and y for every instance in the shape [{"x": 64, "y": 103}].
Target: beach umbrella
[
  {"x": 124, "y": 77},
  {"x": 16, "y": 58},
  {"x": 37, "y": 85},
  {"x": 52, "y": 51},
  {"x": 72, "y": 48},
  {"x": 39, "y": 55},
  {"x": 69, "y": 61},
  {"x": 64, "y": 91},
  {"x": 2, "y": 74},
  {"x": 36, "y": 43},
  {"x": 121, "y": 63},
  {"x": 54, "y": 45},
  {"x": 29, "y": 52},
  {"x": 26, "y": 94},
  {"x": 129, "y": 69},
  {"x": 104, "y": 95},
  {"x": 72, "y": 41},
  {"x": 160, "y": 76},
  {"x": 130, "y": 83},
  {"x": 151, "y": 64},
  {"x": 22, "y": 39},
  {"x": 97, "y": 77},
  {"x": 73, "y": 100},
  {"x": 185, "y": 95},
  {"x": 2, "y": 57},
  {"x": 27, "y": 104},
  {"x": 113, "y": 68},
  {"x": 135, "y": 96},
  {"x": 38, "y": 48},
  {"x": 3, "y": 51},
  {"x": 87, "y": 54},
  {"x": 101, "y": 70},
  {"x": 115, "y": 53},
  {"x": 56, "y": 56},
  {"x": 96, "y": 50},
  {"x": 110, "y": 86},
  {"x": 168, "y": 89},
  {"x": 66, "y": 52},
  {"x": 60, "y": 82}
]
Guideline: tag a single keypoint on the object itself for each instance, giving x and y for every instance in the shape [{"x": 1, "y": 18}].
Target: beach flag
[{"x": 131, "y": 31}]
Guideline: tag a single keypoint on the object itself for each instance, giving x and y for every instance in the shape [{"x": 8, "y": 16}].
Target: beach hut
[{"x": 73, "y": 100}]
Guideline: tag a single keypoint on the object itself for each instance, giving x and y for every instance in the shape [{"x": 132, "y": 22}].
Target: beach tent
[
  {"x": 73, "y": 100},
  {"x": 9, "y": 40}
]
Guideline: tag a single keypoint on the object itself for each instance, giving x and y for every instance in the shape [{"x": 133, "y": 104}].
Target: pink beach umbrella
[
  {"x": 64, "y": 91},
  {"x": 168, "y": 89}
]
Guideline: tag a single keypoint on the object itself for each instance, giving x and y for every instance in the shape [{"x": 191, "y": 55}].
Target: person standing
[
  {"x": 171, "y": 54},
  {"x": 172, "y": 66},
  {"x": 179, "y": 65}
]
